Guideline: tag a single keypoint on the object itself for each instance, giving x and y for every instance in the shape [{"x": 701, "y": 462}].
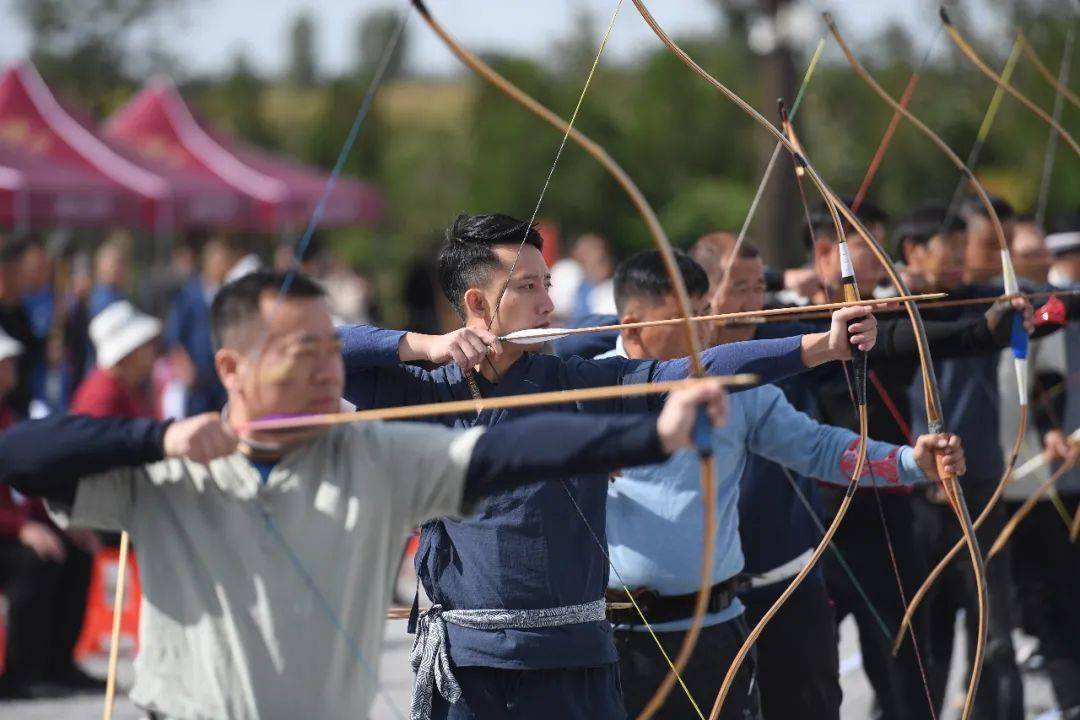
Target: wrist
[
  {"x": 414, "y": 346},
  {"x": 816, "y": 350}
]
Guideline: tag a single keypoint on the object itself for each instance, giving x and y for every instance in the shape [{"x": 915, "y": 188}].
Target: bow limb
[
  {"x": 970, "y": 54},
  {"x": 663, "y": 245},
  {"x": 930, "y": 387},
  {"x": 1032, "y": 56},
  {"x": 1024, "y": 510},
  {"x": 1020, "y": 360}
]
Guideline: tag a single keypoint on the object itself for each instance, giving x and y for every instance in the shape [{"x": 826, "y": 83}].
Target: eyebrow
[{"x": 534, "y": 276}]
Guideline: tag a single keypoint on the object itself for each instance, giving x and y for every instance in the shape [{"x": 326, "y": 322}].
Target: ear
[
  {"x": 475, "y": 304},
  {"x": 227, "y": 363},
  {"x": 631, "y": 337}
]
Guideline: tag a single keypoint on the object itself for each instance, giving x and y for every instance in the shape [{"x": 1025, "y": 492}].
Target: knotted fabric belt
[{"x": 431, "y": 662}]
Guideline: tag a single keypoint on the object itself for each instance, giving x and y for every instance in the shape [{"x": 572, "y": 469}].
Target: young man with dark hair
[
  {"x": 982, "y": 256},
  {"x": 931, "y": 243},
  {"x": 272, "y": 555},
  {"x": 529, "y": 549}
]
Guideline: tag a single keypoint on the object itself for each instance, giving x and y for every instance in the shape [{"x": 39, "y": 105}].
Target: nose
[{"x": 547, "y": 305}]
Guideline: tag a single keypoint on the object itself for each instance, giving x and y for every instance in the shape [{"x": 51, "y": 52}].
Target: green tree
[
  {"x": 85, "y": 48},
  {"x": 303, "y": 70},
  {"x": 374, "y": 32}
]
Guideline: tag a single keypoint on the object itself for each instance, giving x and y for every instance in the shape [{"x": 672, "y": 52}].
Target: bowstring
[
  {"x": 314, "y": 221},
  {"x": 474, "y": 387},
  {"x": 555, "y": 163}
]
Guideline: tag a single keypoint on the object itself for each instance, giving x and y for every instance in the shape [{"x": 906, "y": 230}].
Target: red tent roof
[
  {"x": 40, "y": 193},
  {"x": 284, "y": 191},
  {"x": 169, "y": 198}
]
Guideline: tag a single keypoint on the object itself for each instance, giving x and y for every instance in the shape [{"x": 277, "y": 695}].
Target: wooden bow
[
  {"x": 663, "y": 245},
  {"x": 930, "y": 387},
  {"x": 1019, "y": 360}
]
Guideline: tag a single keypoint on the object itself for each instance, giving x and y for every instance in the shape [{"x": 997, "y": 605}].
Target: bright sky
[{"x": 208, "y": 33}]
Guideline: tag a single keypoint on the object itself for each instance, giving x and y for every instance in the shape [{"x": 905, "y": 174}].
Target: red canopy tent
[
  {"x": 169, "y": 198},
  {"x": 39, "y": 193},
  {"x": 285, "y": 192}
]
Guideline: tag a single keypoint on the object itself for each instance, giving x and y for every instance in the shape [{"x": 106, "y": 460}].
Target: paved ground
[{"x": 396, "y": 680}]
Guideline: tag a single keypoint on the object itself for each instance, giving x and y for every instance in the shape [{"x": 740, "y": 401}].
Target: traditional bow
[
  {"x": 969, "y": 52},
  {"x": 1019, "y": 342},
  {"x": 930, "y": 389},
  {"x": 702, "y": 434}
]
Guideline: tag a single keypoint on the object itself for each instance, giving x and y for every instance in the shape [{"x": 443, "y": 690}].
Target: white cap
[
  {"x": 119, "y": 330},
  {"x": 9, "y": 346}
]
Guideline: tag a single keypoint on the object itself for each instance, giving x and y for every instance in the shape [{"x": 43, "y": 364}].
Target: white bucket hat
[
  {"x": 119, "y": 330},
  {"x": 9, "y": 346}
]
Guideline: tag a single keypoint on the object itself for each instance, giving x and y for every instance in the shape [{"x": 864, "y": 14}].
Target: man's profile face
[
  {"x": 663, "y": 342},
  {"x": 291, "y": 362},
  {"x": 526, "y": 303},
  {"x": 744, "y": 291},
  {"x": 941, "y": 260}
]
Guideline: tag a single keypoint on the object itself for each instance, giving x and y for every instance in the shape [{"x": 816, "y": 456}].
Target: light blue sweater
[{"x": 654, "y": 513}]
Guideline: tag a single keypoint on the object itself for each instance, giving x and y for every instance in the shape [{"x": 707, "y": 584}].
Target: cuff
[
  {"x": 791, "y": 361},
  {"x": 367, "y": 346},
  {"x": 910, "y": 472}
]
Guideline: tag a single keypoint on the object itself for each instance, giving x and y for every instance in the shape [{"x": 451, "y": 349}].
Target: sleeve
[
  {"x": 559, "y": 445},
  {"x": 786, "y": 436},
  {"x": 104, "y": 501},
  {"x": 375, "y": 377},
  {"x": 947, "y": 339},
  {"x": 425, "y": 466},
  {"x": 771, "y": 360},
  {"x": 86, "y": 465}
]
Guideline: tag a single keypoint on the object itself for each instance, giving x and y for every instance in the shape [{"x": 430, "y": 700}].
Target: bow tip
[
  {"x": 944, "y": 15},
  {"x": 828, "y": 18},
  {"x": 421, "y": 7}
]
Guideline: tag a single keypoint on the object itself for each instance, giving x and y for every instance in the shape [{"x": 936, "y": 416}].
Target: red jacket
[{"x": 102, "y": 394}]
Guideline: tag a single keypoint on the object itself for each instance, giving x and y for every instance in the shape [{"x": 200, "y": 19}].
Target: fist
[
  {"x": 854, "y": 325},
  {"x": 466, "y": 347},
  {"x": 942, "y": 451},
  {"x": 201, "y": 438},
  {"x": 675, "y": 425}
]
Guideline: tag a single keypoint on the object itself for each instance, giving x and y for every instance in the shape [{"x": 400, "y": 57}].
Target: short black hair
[
  {"x": 868, "y": 213},
  {"x": 466, "y": 256},
  {"x": 972, "y": 205},
  {"x": 238, "y": 302},
  {"x": 923, "y": 223},
  {"x": 644, "y": 275}
]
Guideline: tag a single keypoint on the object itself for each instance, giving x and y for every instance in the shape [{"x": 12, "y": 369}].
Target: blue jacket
[{"x": 528, "y": 547}]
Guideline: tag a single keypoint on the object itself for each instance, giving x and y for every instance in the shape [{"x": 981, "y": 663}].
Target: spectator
[
  {"x": 188, "y": 328},
  {"x": 596, "y": 293},
  {"x": 35, "y": 283},
  {"x": 44, "y": 575},
  {"x": 110, "y": 272},
  {"x": 124, "y": 339},
  {"x": 165, "y": 281},
  {"x": 15, "y": 321},
  {"x": 77, "y": 348}
]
